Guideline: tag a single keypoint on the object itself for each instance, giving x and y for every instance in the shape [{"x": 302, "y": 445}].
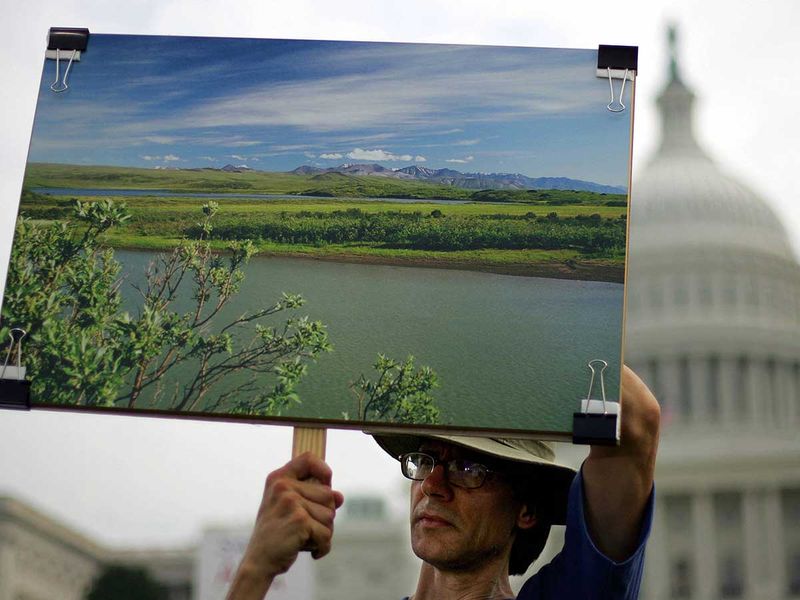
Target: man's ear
[{"x": 527, "y": 517}]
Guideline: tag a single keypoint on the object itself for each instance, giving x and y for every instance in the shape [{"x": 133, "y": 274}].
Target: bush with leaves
[
  {"x": 64, "y": 289},
  {"x": 401, "y": 394},
  {"x": 121, "y": 582}
]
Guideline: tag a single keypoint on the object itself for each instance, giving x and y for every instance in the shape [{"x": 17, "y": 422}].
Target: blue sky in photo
[{"x": 273, "y": 105}]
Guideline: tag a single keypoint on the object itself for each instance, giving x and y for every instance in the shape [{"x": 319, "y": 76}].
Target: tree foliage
[
  {"x": 64, "y": 289},
  {"x": 120, "y": 582},
  {"x": 436, "y": 231},
  {"x": 83, "y": 348},
  {"x": 401, "y": 394}
]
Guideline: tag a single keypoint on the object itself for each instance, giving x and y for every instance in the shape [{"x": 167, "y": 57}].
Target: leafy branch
[
  {"x": 401, "y": 394},
  {"x": 64, "y": 289}
]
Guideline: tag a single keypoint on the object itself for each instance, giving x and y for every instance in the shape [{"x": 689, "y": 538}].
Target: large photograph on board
[{"x": 341, "y": 232}]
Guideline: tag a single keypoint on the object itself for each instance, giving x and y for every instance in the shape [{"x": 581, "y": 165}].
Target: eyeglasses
[{"x": 458, "y": 471}]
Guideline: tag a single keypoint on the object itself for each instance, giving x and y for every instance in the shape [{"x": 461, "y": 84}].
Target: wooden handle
[{"x": 309, "y": 439}]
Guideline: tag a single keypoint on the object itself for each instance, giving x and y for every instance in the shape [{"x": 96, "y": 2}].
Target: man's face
[{"x": 454, "y": 528}]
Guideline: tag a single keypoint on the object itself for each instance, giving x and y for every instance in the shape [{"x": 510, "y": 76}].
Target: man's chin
[
  {"x": 445, "y": 554},
  {"x": 437, "y": 549}
]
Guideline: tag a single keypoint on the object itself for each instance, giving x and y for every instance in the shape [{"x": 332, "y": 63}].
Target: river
[
  {"x": 96, "y": 192},
  {"x": 510, "y": 352}
]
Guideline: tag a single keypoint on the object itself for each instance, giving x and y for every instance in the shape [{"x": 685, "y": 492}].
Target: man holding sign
[{"x": 481, "y": 509}]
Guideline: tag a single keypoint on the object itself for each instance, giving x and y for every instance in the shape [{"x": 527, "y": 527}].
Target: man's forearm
[
  {"x": 249, "y": 583},
  {"x": 619, "y": 480}
]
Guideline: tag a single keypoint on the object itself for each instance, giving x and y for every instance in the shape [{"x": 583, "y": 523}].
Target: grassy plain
[
  {"x": 553, "y": 233},
  {"x": 333, "y": 185}
]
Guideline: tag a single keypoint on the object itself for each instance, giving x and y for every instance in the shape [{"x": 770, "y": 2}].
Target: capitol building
[{"x": 713, "y": 327}]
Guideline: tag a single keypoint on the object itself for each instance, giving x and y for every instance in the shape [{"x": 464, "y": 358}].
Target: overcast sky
[{"x": 136, "y": 481}]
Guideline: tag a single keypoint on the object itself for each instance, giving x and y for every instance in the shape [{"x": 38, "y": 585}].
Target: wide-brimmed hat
[{"x": 534, "y": 458}]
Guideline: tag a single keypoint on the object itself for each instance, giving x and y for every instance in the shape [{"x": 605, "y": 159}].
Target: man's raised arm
[
  {"x": 618, "y": 480},
  {"x": 296, "y": 512}
]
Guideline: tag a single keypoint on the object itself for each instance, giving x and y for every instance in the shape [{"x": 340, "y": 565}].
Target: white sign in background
[{"x": 218, "y": 557}]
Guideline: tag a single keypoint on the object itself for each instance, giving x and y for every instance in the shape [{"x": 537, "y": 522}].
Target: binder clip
[
  {"x": 617, "y": 62},
  {"x": 63, "y": 42},
  {"x": 14, "y": 389},
  {"x": 597, "y": 422}
]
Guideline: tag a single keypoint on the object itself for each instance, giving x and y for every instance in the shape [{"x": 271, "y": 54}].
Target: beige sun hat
[{"x": 552, "y": 479}]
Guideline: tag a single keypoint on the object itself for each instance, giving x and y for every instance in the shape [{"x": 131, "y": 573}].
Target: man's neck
[{"x": 490, "y": 582}]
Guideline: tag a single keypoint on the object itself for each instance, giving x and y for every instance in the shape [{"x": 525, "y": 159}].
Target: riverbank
[
  {"x": 577, "y": 242},
  {"x": 582, "y": 271},
  {"x": 554, "y": 264}
]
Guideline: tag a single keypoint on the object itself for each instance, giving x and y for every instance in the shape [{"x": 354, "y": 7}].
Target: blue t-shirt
[{"x": 580, "y": 571}]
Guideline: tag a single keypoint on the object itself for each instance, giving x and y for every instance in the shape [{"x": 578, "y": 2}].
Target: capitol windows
[
  {"x": 680, "y": 578},
  {"x": 731, "y": 584},
  {"x": 684, "y": 399},
  {"x": 740, "y": 388},
  {"x": 712, "y": 386},
  {"x": 772, "y": 400},
  {"x": 729, "y": 534},
  {"x": 796, "y": 398},
  {"x": 790, "y": 510},
  {"x": 678, "y": 518}
]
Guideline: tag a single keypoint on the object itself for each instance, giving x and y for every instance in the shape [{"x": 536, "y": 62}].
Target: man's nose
[{"x": 436, "y": 484}]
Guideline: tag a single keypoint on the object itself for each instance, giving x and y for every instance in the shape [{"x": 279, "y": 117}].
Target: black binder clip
[
  {"x": 14, "y": 389},
  {"x": 598, "y": 420},
  {"x": 63, "y": 42},
  {"x": 617, "y": 62}
]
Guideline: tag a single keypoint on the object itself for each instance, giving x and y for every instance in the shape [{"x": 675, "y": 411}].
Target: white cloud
[
  {"x": 165, "y": 158},
  {"x": 466, "y": 159},
  {"x": 377, "y": 154},
  {"x": 242, "y": 143},
  {"x": 237, "y": 157},
  {"x": 161, "y": 139},
  {"x": 309, "y": 155},
  {"x": 209, "y": 158},
  {"x": 466, "y": 142},
  {"x": 331, "y": 156},
  {"x": 420, "y": 159},
  {"x": 419, "y": 92}
]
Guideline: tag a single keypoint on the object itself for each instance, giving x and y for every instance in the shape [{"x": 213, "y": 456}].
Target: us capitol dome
[{"x": 713, "y": 327}]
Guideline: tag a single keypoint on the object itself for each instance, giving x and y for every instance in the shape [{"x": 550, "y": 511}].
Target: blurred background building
[
  {"x": 42, "y": 559},
  {"x": 713, "y": 327}
]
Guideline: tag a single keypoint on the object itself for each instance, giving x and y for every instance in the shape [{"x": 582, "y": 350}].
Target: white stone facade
[
  {"x": 41, "y": 559},
  {"x": 714, "y": 328}
]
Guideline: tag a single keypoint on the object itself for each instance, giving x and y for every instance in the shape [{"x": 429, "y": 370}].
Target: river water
[
  {"x": 510, "y": 352},
  {"x": 95, "y": 192}
]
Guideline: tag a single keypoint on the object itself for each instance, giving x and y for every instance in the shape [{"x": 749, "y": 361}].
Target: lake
[
  {"x": 94, "y": 192},
  {"x": 510, "y": 352}
]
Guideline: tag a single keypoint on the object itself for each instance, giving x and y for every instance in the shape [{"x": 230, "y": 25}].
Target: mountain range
[{"x": 473, "y": 181}]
